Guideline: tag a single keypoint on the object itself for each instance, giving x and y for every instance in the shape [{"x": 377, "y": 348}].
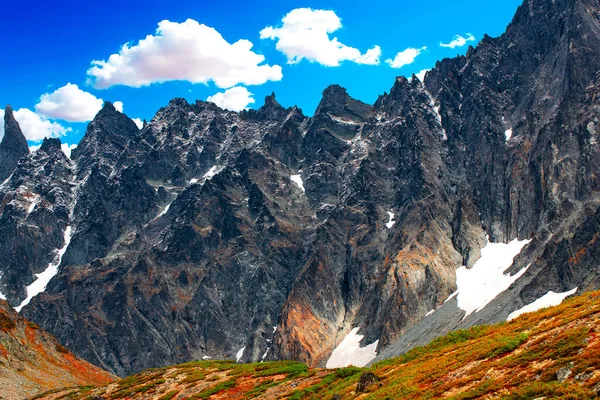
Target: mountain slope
[
  {"x": 271, "y": 235},
  {"x": 32, "y": 361},
  {"x": 553, "y": 353}
]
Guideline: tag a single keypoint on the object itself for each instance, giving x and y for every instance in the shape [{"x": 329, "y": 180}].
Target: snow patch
[
  {"x": 391, "y": 222},
  {"x": 297, "y": 179},
  {"x": 264, "y": 355},
  {"x": 193, "y": 181},
  {"x": 240, "y": 354},
  {"x": 548, "y": 300},
  {"x": 429, "y": 313},
  {"x": 478, "y": 286},
  {"x": 343, "y": 121},
  {"x": 39, "y": 285},
  {"x": 164, "y": 211},
  {"x": 349, "y": 352},
  {"x": 508, "y": 134},
  {"x": 207, "y": 358},
  {"x": 34, "y": 202},
  {"x": 214, "y": 170}
]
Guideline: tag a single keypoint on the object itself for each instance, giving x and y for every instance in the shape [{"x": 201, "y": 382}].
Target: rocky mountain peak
[
  {"x": 336, "y": 102},
  {"x": 51, "y": 145},
  {"x": 104, "y": 140},
  {"x": 13, "y": 146}
]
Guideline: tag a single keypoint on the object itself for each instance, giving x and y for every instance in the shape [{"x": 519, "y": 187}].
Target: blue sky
[{"x": 49, "y": 44}]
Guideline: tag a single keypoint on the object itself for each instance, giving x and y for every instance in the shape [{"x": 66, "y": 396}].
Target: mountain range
[{"x": 270, "y": 235}]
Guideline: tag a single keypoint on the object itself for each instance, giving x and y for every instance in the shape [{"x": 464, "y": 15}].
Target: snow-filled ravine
[
  {"x": 478, "y": 286},
  {"x": 297, "y": 179},
  {"x": 548, "y": 300},
  {"x": 39, "y": 285},
  {"x": 391, "y": 221},
  {"x": 349, "y": 352}
]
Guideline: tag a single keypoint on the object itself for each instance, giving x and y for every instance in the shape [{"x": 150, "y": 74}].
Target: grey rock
[{"x": 13, "y": 146}]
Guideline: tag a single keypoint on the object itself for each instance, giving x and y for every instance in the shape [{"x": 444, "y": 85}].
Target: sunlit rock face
[{"x": 209, "y": 231}]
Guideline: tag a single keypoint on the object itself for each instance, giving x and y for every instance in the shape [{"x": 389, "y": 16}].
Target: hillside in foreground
[
  {"x": 32, "y": 361},
  {"x": 552, "y": 353}
]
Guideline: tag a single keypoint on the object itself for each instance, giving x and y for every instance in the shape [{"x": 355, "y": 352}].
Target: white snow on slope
[
  {"x": 297, "y": 179},
  {"x": 548, "y": 300},
  {"x": 240, "y": 354},
  {"x": 211, "y": 172},
  {"x": 39, "y": 285},
  {"x": 264, "y": 355},
  {"x": 193, "y": 181},
  {"x": 508, "y": 134},
  {"x": 164, "y": 211},
  {"x": 34, "y": 202},
  {"x": 391, "y": 222},
  {"x": 349, "y": 352},
  {"x": 429, "y": 313},
  {"x": 478, "y": 286}
]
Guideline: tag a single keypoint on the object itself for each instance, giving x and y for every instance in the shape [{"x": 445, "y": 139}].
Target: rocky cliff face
[
  {"x": 266, "y": 234},
  {"x": 13, "y": 145}
]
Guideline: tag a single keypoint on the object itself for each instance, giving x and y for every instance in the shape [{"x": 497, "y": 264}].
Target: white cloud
[
  {"x": 34, "y": 148},
  {"x": 371, "y": 57},
  {"x": 235, "y": 99},
  {"x": 421, "y": 74},
  {"x": 118, "y": 106},
  {"x": 458, "y": 41},
  {"x": 304, "y": 34},
  {"x": 36, "y": 127},
  {"x": 186, "y": 51},
  {"x": 69, "y": 103},
  {"x": 138, "y": 122},
  {"x": 405, "y": 57},
  {"x": 67, "y": 148}
]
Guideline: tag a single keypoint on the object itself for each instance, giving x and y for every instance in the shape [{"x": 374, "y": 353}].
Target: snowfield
[
  {"x": 548, "y": 300},
  {"x": 349, "y": 352},
  {"x": 478, "y": 286},
  {"x": 297, "y": 179},
  {"x": 39, "y": 285}
]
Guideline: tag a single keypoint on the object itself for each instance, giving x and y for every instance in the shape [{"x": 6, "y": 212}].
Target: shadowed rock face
[
  {"x": 13, "y": 145},
  {"x": 191, "y": 239}
]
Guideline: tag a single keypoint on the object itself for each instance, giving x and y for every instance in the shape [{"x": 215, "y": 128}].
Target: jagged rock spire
[{"x": 13, "y": 146}]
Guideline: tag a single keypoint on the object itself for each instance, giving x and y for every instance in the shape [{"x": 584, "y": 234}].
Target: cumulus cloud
[
  {"x": 458, "y": 41},
  {"x": 405, "y": 57},
  {"x": 34, "y": 126},
  {"x": 235, "y": 99},
  {"x": 118, "y": 106},
  {"x": 68, "y": 148},
  {"x": 421, "y": 74},
  {"x": 186, "y": 51},
  {"x": 304, "y": 34},
  {"x": 138, "y": 122},
  {"x": 69, "y": 103}
]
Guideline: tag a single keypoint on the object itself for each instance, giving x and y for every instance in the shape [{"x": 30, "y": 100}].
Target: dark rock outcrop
[{"x": 13, "y": 146}]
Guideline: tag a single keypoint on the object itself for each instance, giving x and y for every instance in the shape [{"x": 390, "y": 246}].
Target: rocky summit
[{"x": 271, "y": 235}]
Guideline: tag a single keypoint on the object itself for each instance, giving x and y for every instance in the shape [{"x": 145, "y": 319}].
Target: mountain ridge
[{"x": 208, "y": 231}]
